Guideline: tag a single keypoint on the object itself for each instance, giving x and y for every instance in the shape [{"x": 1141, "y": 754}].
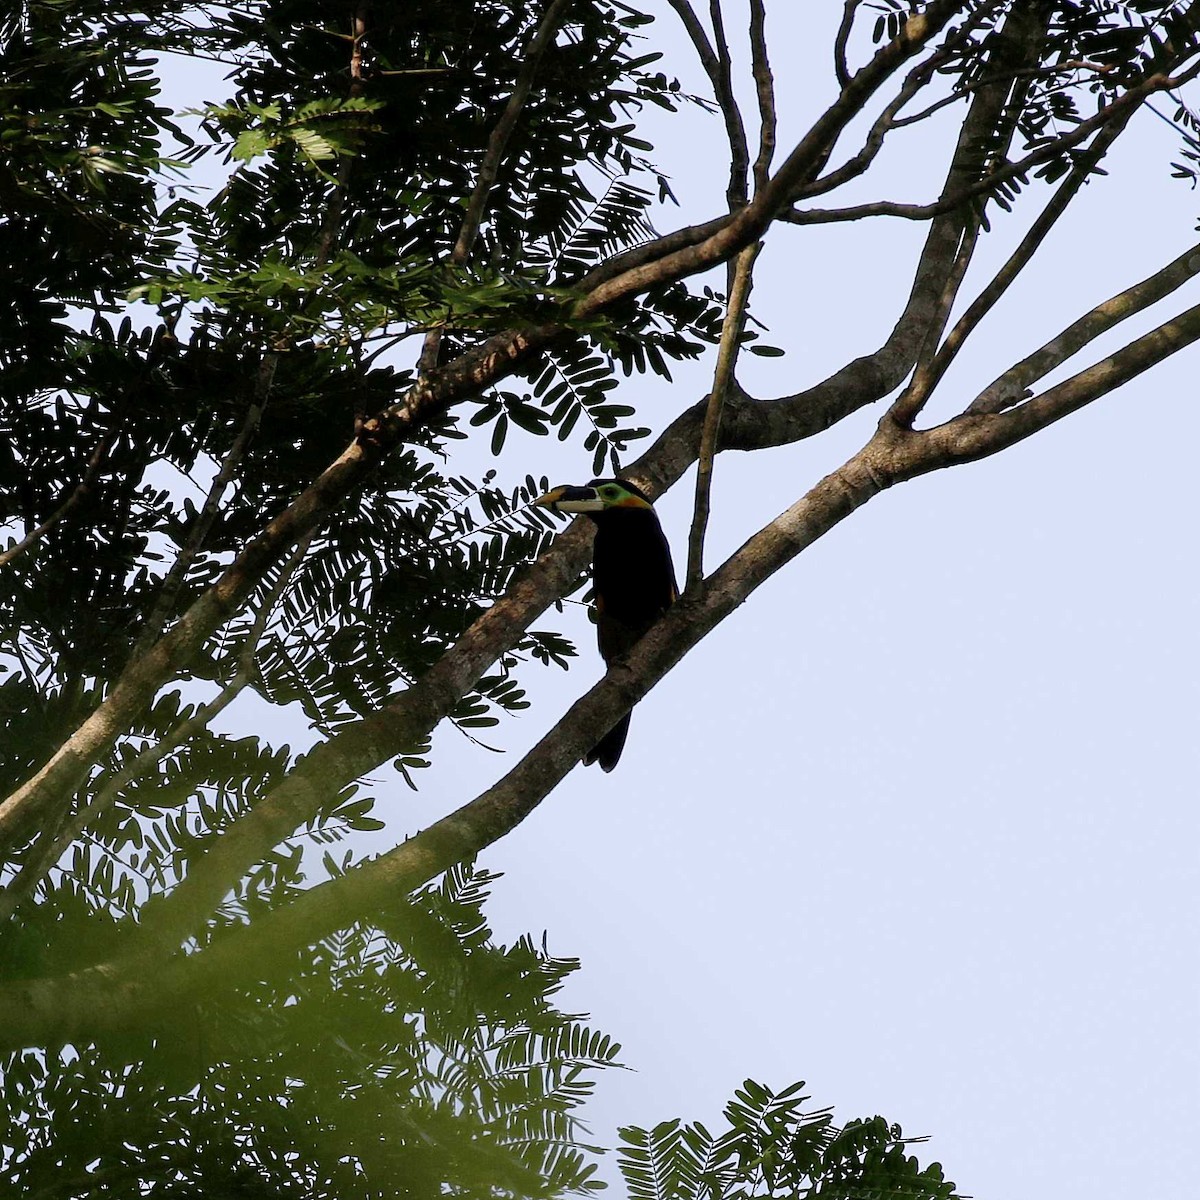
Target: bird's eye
[{"x": 611, "y": 492}]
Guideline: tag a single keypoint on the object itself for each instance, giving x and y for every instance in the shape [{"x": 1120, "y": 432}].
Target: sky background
[{"x": 917, "y": 824}]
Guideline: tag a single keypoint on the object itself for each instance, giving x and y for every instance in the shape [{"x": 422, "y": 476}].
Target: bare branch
[
  {"x": 493, "y": 156},
  {"x": 78, "y": 494},
  {"x": 916, "y": 80},
  {"x": 737, "y": 192},
  {"x": 842, "y": 41},
  {"x": 1030, "y": 243},
  {"x": 1080, "y": 133},
  {"x": 977, "y": 435},
  {"x": 714, "y": 58},
  {"x": 1011, "y": 387},
  {"x": 984, "y": 139},
  {"x": 731, "y": 335},
  {"x": 764, "y": 86}
]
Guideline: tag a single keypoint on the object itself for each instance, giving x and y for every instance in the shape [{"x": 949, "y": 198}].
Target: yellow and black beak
[{"x": 568, "y": 499}]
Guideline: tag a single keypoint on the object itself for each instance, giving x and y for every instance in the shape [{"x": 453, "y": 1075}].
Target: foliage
[
  {"x": 772, "y": 1146},
  {"x": 276, "y": 307},
  {"x": 209, "y": 304},
  {"x": 442, "y": 1068}
]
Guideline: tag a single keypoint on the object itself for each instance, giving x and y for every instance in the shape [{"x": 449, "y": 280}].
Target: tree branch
[
  {"x": 1010, "y": 388},
  {"x": 493, "y": 156},
  {"x": 731, "y": 335},
  {"x": 1030, "y": 243},
  {"x": 78, "y": 494},
  {"x": 984, "y": 139},
  {"x": 917, "y": 79},
  {"x": 714, "y": 58},
  {"x": 978, "y": 435},
  {"x": 764, "y": 86},
  {"x": 171, "y": 585},
  {"x": 923, "y": 212},
  {"x": 840, "y": 43},
  {"x": 51, "y": 847}
]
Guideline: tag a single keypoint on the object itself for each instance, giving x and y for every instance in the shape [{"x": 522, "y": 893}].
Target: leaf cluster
[
  {"x": 440, "y": 1069},
  {"x": 773, "y": 1146}
]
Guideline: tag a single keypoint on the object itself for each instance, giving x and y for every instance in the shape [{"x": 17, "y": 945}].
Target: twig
[
  {"x": 840, "y": 67},
  {"x": 764, "y": 85},
  {"x": 737, "y": 192},
  {"x": 949, "y": 202},
  {"x": 492, "y": 158},
  {"x": 333, "y": 214},
  {"x": 173, "y": 583},
  {"x": 731, "y": 333},
  {"x": 914, "y": 82},
  {"x": 72, "y": 502},
  {"x": 987, "y": 299},
  {"x": 1077, "y": 64},
  {"x": 717, "y": 67}
]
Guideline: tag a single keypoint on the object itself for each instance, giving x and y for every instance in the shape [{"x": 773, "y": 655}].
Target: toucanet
[{"x": 632, "y": 575}]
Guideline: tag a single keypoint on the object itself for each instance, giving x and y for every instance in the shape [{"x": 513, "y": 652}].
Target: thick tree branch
[
  {"x": 984, "y": 139},
  {"x": 111, "y": 998},
  {"x": 977, "y": 435},
  {"x": 476, "y": 368}
]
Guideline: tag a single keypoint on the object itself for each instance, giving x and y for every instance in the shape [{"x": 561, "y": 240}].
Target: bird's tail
[{"x": 607, "y": 751}]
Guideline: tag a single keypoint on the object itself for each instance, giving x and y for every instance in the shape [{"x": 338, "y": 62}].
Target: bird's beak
[{"x": 567, "y": 499}]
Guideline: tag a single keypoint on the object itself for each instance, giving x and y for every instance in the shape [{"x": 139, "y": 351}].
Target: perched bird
[{"x": 634, "y": 580}]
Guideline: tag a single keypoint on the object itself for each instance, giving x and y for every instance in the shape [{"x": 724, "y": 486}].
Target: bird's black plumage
[{"x": 632, "y": 573}]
